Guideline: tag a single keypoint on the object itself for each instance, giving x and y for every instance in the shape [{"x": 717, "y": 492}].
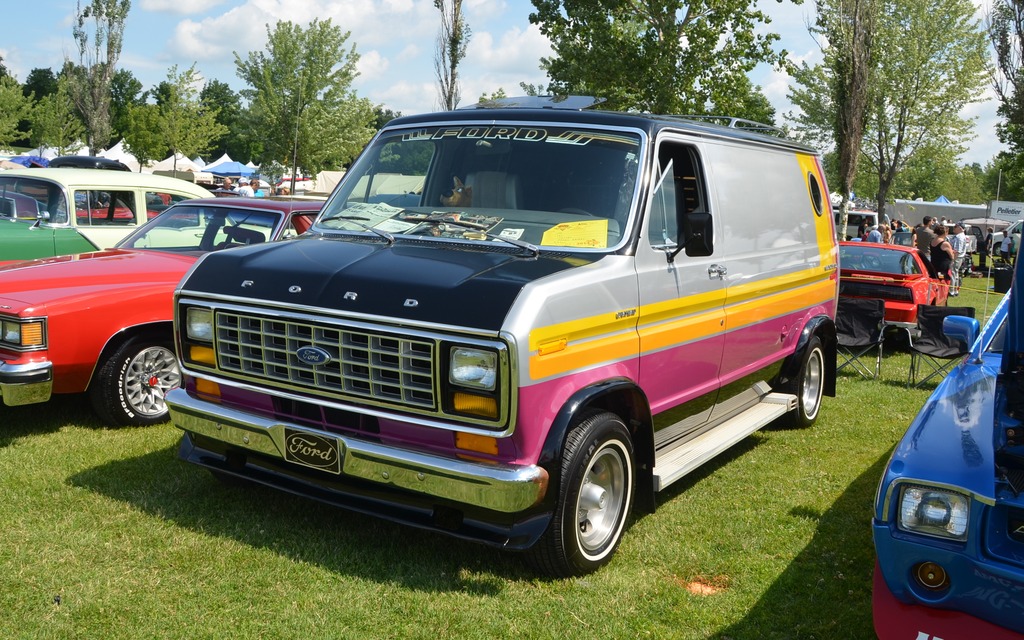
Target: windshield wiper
[
  {"x": 443, "y": 218},
  {"x": 356, "y": 219}
]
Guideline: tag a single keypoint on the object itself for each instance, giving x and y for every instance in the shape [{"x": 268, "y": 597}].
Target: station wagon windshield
[{"x": 545, "y": 186}]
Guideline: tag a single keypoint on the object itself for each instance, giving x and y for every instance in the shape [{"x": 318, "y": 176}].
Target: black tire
[
  {"x": 808, "y": 386},
  {"x": 595, "y": 498},
  {"x": 130, "y": 385}
]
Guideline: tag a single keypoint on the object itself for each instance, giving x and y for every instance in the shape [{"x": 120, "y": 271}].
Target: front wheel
[
  {"x": 594, "y": 501},
  {"x": 808, "y": 386},
  {"x": 130, "y": 385}
]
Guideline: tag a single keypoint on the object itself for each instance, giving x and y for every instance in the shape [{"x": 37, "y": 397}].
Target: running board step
[{"x": 675, "y": 463}]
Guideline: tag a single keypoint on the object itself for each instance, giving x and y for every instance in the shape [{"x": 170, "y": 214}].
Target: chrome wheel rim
[
  {"x": 602, "y": 499},
  {"x": 150, "y": 375},
  {"x": 814, "y": 373}
]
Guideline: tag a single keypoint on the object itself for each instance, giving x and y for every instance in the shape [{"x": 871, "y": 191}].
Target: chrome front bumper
[
  {"x": 502, "y": 488},
  {"x": 25, "y": 383}
]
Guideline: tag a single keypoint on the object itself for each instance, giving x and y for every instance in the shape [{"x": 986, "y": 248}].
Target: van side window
[{"x": 678, "y": 190}]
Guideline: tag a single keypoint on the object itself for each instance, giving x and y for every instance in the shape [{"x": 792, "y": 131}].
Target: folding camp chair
[
  {"x": 932, "y": 352},
  {"x": 859, "y": 328}
]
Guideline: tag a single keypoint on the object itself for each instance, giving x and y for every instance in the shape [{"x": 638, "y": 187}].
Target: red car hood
[{"x": 105, "y": 273}]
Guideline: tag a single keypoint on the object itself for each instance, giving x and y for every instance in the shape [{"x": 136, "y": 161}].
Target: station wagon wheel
[
  {"x": 130, "y": 385},
  {"x": 594, "y": 501},
  {"x": 808, "y": 385}
]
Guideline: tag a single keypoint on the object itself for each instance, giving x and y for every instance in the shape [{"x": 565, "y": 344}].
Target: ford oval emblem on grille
[{"x": 313, "y": 355}]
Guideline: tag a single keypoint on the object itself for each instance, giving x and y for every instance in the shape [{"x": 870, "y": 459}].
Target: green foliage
[
  {"x": 1006, "y": 32},
  {"x": 14, "y": 107},
  {"x": 125, "y": 92},
  {"x": 187, "y": 125},
  {"x": 55, "y": 123},
  {"x": 301, "y": 102},
  {"x": 930, "y": 62},
  {"x": 142, "y": 135},
  {"x": 40, "y": 83},
  {"x": 661, "y": 56},
  {"x": 217, "y": 95}
]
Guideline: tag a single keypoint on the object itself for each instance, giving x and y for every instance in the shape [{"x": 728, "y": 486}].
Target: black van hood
[{"x": 425, "y": 281}]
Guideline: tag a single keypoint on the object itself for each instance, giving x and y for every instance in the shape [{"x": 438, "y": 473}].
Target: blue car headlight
[{"x": 934, "y": 511}]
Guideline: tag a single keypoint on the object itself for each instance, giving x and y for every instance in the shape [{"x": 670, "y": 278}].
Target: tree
[
  {"x": 662, "y": 56},
  {"x": 186, "y": 124},
  {"x": 847, "y": 26},
  {"x": 228, "y": 104},
  {"x": 40, "y": 83},
  {"x": 55, "y": 123},
  {"x": 125, "y": 92},
  {"x": 99, "y": 47},
  {"x": 931, "y": 62},
  {"x": 1006, "y": 32},
  {"x": 451, "y": 49},
  {"x": 142, "y": 135},
  {"x": 301, "y": 103},
  {"x": 14, "y": 107}
]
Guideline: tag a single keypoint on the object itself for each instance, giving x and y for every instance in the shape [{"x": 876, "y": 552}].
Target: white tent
[
  {"x": 199, "y": 161},
  {"x": 224, "y": 158},
  {"x": 251, "y": 165},
  {"x": 327, "y": 180},
  {"x": 119, "y": 153},
  {"x": 178, "y": 161}
]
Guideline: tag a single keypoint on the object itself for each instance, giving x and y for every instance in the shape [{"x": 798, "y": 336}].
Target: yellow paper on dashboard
[{"x": 587, "y": 234}]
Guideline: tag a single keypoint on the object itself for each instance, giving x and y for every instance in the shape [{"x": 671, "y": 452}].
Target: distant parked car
[
  {"x": 895, "y": 273},
  {"x": 87, "y": 162},
  {"x": 101, "y": 322},
  {"x": 79, "y": 210},
  {"x": 949, "y": 512}
]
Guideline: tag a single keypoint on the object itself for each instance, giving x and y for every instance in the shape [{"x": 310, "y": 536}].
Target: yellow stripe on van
[{"x": 587, "y": 342}]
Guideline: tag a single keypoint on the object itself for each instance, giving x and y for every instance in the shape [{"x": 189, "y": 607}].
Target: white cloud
[
  {"x": 372, "y": 64},
  {"x": 184, "y": 7},
  {"x": 516, "y": 51}
]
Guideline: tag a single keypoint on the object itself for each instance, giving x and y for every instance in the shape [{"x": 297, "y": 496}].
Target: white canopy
[
  {"x": 224, "y": 158},
  {"x": 178, "y": 161},
  {"x": 119, "y": 153}
]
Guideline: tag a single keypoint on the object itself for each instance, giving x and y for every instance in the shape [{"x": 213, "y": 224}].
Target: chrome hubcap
[{"x": 601, "y": 500}]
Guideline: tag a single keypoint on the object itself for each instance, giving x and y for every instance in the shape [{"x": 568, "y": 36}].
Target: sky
[{"x": 395, "y": 40}]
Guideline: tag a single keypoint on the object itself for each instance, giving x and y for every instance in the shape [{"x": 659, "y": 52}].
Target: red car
[
  {"x": 101, "y": 322},
  {"x": 893, "y": 272}
]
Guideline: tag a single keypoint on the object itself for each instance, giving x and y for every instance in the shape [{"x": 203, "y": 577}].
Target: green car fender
[{"x": 25, "y": 240}]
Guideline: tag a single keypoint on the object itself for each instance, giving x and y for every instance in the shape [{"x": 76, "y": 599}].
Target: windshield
[
  {"x": 188, "y": 228},
  {"x": 28, "y": 198},
  {"x": 546, "y": 186}
]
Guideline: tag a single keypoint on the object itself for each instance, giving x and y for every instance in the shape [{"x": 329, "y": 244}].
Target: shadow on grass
[
  {"x": 301, "y": 529},
  {"x": 825, "y": 592},
  {"x": 59, "y": 411}
]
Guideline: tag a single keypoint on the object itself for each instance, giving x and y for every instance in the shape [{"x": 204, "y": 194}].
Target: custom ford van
[{"x": 517, "y": 325}]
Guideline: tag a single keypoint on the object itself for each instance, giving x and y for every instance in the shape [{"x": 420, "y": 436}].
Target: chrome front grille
[{"x": 376, "y": 366}]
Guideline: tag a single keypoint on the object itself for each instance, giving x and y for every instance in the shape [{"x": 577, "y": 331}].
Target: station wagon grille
[
  {"x": 384, "y": 368},
  {"x": 872, "y": 290}
]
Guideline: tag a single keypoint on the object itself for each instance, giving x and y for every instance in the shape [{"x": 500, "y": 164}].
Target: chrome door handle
[{"x": 717, "y": 271}]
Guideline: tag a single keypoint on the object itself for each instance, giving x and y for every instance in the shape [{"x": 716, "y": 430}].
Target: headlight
[
  {"x": 199, "y": 324},
  {"x": 473, "y": 368},
  {"x": 935, "y": 512},
  {"x": 23, "y": 334}
]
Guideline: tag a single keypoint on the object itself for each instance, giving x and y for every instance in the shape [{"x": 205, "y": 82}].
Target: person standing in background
[{"x": 958, "y": 242}]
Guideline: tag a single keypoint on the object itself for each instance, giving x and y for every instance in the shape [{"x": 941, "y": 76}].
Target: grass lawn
[{"x": 105, "y": 534}]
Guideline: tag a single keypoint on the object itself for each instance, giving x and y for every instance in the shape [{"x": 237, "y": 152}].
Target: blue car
[{"x": 949, "y": 513}]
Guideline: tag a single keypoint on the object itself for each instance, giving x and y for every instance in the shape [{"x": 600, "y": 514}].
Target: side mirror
[
  {"x": 961, "y": 328},
  {"x": 696, "y": 235}
]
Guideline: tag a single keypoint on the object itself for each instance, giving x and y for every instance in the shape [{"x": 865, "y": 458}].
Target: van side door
[{"x": 681, "y": 319}]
